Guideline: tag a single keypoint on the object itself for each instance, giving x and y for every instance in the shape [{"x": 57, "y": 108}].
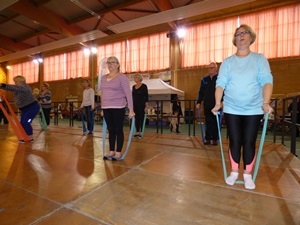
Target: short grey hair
[
  {"x": 139, "y": 75},
  {"x": 216, "y": 65}
]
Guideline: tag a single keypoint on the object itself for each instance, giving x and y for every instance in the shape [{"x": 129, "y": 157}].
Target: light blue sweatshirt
[{"x": 242, "y": 80}]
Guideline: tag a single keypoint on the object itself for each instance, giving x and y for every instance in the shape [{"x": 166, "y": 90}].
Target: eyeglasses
[
  {"x": 243, "y": 32},
  {"x": 110, "y": 63}
]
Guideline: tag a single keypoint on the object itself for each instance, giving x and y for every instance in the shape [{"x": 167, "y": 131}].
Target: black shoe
[
  {"x": 136, "y": 135},
  {"x": 215, "y": 143},
  {"x": 207, "y": 142}
]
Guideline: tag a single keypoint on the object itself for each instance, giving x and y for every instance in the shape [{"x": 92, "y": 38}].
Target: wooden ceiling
[{"x": 29, "y": 27}]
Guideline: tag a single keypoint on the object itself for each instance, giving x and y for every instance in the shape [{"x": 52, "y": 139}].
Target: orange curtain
[
  {"x": 145, "y": 53},
  {"x": 65, "y": 66},
  {"x": 77, "y": 64},
  {"x": 208, "y": 42},
  {"x": 116, "y": 49},
  {"x": 277, "y": 36},
  {"x": 28, "y": 69},
  {"x": 277, "y": 31},
  {"x": 148, "y": 53},
  {"x": 54, "y": 68}
]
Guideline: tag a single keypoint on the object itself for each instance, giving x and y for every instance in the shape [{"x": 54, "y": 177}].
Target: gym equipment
[
  {"x": 104, "y": 128},
  {"x": 262, "y": 140}
]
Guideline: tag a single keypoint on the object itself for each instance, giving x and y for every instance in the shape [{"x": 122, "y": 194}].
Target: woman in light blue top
[{"x": 245, "y": 79}]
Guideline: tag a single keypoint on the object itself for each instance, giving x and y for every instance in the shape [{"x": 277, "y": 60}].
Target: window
[
  {"x": 28, "y": 69},
  {"x": 277, "y": 36},
  {"x": 65, "y": 66}
]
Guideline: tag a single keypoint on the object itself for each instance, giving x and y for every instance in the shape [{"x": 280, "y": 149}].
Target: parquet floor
[{"x": 165, "y": 179}]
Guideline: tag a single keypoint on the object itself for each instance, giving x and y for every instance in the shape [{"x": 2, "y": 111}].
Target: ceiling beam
[
  {"x": 122, "y": 5},
  {"x": 45, "y": 17},
  {"x": 11, "y": 45},
  {"x": 164, "y": 6}
]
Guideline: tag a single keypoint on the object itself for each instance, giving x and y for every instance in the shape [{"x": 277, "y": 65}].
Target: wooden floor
[{"x": 61, "y": 179}]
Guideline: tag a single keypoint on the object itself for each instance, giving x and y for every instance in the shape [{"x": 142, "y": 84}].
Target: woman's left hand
[{"x": 267, "y": 108}]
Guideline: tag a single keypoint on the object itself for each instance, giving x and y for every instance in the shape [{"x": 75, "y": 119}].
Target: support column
[
  {"x": 175, "y": 59},
  {"x": 93, "y": 69}
]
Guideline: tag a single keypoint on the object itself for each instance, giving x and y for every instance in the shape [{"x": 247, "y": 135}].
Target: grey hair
[
  {"x": 140, "y": 76},
  {"x": 20, "y": 79},
  {"x": 216, "y": 65}
]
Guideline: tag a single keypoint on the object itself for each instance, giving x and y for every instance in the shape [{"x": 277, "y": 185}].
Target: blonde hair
[
  {"x": 115, "y": 59},
  {"x": 20, "y": 79},
  {"x": 246, "y": 27},
  {"x": 140, "y": 76}
]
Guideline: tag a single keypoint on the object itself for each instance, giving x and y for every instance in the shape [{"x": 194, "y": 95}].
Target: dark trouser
[
  {"x": 211, "y": 132},
  {"x": 115, "y": 120},
  {"x": 27, "y": 115},
  {"x": 139, "y": 118},
  {"x": 46, "y": 112},
  {"x": 88, "y": 117},
  {"x": 242, "y": 131}
]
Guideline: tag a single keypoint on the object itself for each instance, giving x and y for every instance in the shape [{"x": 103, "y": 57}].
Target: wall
[{"x": 286, "y": 73}]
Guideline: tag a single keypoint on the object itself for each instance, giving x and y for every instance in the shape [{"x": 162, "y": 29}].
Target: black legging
[
  {"x": 242, "y": 131},
  {"x": 46, "y": 112},
  {"x": 139, "y": 117},
  {"x": 115, "y": 120}
]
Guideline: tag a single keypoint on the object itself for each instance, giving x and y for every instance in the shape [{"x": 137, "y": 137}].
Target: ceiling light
[
  {"x": 94, "y": 50},
  {"x": 181, "y": 32},
  {"x": 86, "y": 51}
]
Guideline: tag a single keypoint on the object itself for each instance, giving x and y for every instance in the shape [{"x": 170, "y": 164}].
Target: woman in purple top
[{"x": 115, "y": 97}]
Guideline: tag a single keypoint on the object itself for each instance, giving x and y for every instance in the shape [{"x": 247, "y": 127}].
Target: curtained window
[
  {"x": 148, "y": 53},
  {"x": 116, "y": 49},
  {"x": 145, "y": 53},
  {"x": 277, "y": 36},
  {"x": 28, "y": 69},
  {"x": 65, "y": 66}
]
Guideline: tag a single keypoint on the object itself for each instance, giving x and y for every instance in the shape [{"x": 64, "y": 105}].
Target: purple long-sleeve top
[{"x": 116, "y": 93}]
